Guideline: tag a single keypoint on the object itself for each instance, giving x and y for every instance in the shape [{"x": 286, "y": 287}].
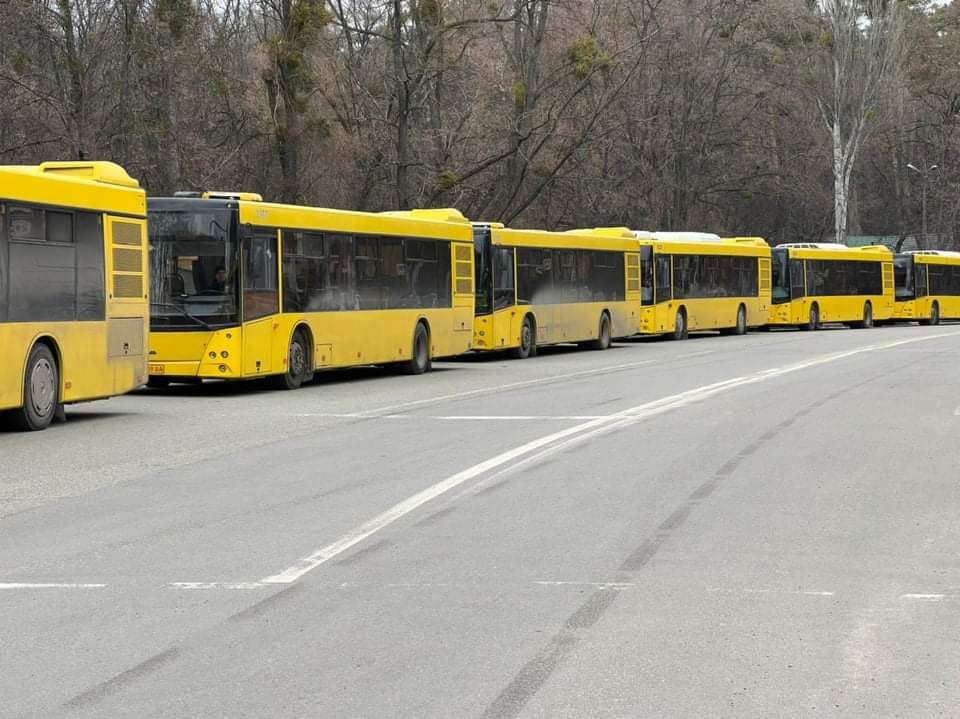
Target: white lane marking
[
  {"x": 48, "y": 585},
  {"x": 216, "y": 585},
  {"x": 956, "y": 412},
  {"x": 597, "y": 585},
  {"x": 635, "y": 414},
  {"x": 748, "y": 590},
  {"x": 464, "y": 417},
  {"x": 925, "y": 597}
]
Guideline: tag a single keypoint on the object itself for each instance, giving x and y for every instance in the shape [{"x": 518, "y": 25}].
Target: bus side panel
[
  {"x": 506, "y": 332},
  {"x": 265, "y": 347},
  {"x": 624, "y": 318},
  {"x": 949, "y": 307},
  {"x": 345, "y": 339},
  {"x": 850, "y": 308},
  {"x": 716, "y": 313},
  {"x": 580, "y": 322},
  {"x": 544, "y": 316},
  {"x": 80, "y": 351},
  {"x": 15, "y": 340}
]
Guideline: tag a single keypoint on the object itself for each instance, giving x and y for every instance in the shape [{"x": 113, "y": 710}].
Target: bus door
[
  {"x": 504, "y": 296},
  {"x": 261, "y": 301}
]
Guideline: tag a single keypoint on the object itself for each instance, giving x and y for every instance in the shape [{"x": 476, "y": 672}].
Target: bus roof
[
  {"x": 571, "y": 239},
  {"x": 677, "y": 236},
  {"x": 685, "y": 242},
  {"x": 439, "y": 224},
  {"x": 100, "y": 186},
  {"x": 833, "y": 250},
  {"x": 934, "y": 257},
  {"x": 441, "y": 214}
]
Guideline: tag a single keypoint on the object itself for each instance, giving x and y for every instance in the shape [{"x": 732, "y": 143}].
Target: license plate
[{"x": 156, "y": 369}]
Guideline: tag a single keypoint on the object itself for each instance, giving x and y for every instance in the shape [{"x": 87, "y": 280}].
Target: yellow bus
[
  {"x": 73, "y": 303},
  {"x": 814, "y": 283},
  {"x": 692, "y": 281},
  {"x": 242, "y": 288},
  {"x": 927, "y": 286},
  {"x": 537, "y": 288}
]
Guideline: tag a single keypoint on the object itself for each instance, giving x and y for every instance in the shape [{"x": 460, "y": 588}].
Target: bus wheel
[
  {"x": 935, "y": 314},
  {"x": 528, "y": 340},
  {"x": 297, "y": 364},
  {"x": 603, "y": 339},
  {"x": 41, "y": 390},
  {"x": 814, "y": 323},
  {"x": 680, "y": 331},
  {"x": 867, "y": 321},
  {"x": 420, "y": 361},
  {"x": 741, "y": 327}
]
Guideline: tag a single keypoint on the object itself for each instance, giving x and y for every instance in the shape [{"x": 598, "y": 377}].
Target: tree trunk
[
  {"x": 76, "y": 110},
  {"x": 840, "y": 185},
  {"x": 402, "y": 85}
]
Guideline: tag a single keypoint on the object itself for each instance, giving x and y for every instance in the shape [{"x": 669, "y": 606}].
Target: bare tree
[{"x": 862, "y": 49}]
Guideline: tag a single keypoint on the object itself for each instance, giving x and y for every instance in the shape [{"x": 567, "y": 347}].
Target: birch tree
[{"x": 862, "y": 48}]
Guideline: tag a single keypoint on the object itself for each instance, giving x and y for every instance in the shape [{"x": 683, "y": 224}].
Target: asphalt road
[{"x": 758, "y": 526}]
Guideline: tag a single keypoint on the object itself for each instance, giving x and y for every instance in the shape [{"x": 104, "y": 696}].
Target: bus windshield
[
  {"x": 194, "y": 267},
  {"x": 903, "y": 278},
  {"x": 781, "y": 277}
]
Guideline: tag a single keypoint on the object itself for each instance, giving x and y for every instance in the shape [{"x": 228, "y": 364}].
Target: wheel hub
[{"x": 42, "y": 387}]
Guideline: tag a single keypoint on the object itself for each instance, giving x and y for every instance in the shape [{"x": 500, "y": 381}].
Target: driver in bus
[{"x": 220, "y": 280}]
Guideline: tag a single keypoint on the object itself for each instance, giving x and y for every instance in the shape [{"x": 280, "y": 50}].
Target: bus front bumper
[{"x": 209, "y": 355}]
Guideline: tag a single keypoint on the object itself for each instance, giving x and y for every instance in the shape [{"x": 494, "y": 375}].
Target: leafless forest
[{"x": 732, "y": 116}]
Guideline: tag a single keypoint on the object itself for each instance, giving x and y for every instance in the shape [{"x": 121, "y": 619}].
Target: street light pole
[{"x": 923, "y": 201}]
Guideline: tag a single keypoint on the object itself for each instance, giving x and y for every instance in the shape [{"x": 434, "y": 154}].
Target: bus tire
[
  {"x": 680, "y": 330},
  {"x": 298, "y": 363},
  {"x": 603, "y": 337},
  {"x": 934, "y": 315},
  {"x": 814, "y": 322},
  {"x": 41, "y": 390},
  {"x": 420, "y": 359},
  {"x": 741, "y": 328},
  {"x": 528, "y": 340},
  {"x": 867, "y": 321}
]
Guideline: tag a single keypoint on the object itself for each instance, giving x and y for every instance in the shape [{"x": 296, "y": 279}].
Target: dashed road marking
[{"x": 49, "y": 585}]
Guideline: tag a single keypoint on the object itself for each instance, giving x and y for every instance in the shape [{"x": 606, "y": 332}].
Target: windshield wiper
[{"x": 183, "y": 312}]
